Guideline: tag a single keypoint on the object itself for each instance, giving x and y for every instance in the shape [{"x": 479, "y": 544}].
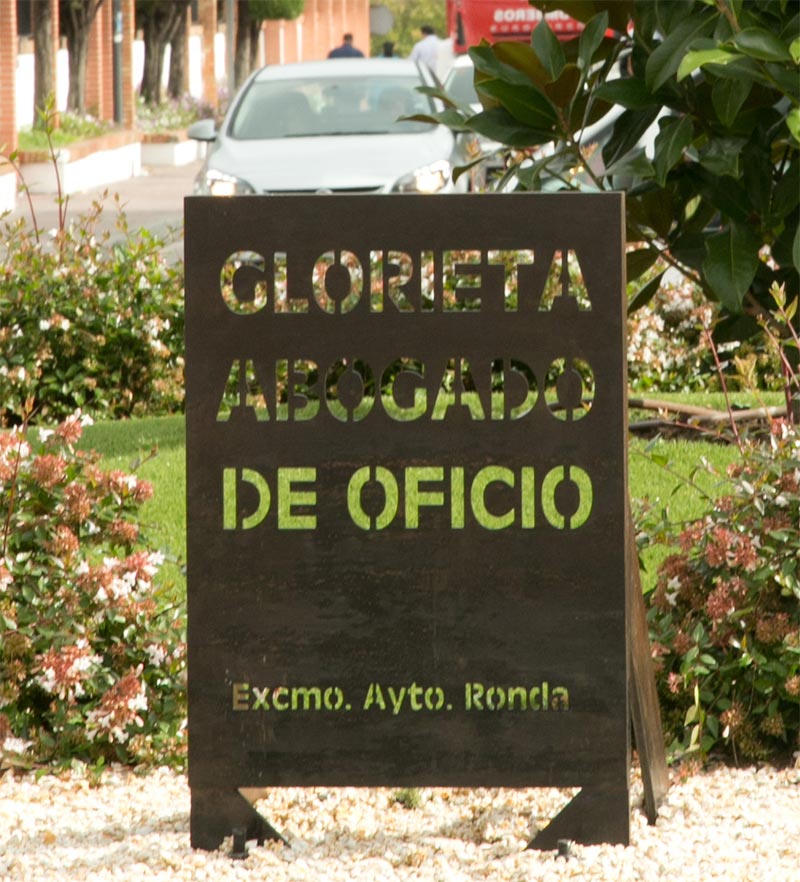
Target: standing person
[
  {"x": 426, "y": 49},
  {"x": 346, "y": 50},
  {"x": 388, "y": 49}
]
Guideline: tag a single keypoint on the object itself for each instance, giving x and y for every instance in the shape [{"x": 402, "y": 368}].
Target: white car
[
  {"x": 330, "y": 127},
  {"x": 459, "y": 84}
]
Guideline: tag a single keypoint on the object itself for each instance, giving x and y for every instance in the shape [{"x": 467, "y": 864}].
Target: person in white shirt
[{"x": 426, "y": 49}]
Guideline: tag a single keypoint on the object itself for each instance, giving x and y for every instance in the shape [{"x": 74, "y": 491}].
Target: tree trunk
[
  {"x": 150, "y": 89},
  {"x": 78, "y": 17},
  {"x": 78, "y": 50},
  {"x": 159, "y": 25},
  {"x": 242, "y": 53},
  {"x": 43, "y": 70},
  {"x": 255, "y": 34},
  {"x": 176, "y": 85}
]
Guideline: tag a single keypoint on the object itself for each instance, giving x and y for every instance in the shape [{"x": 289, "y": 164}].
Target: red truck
[{"x": 470, "y": 21}]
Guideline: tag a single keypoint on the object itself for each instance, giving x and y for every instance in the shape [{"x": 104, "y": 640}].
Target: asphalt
[{"x": 151, "y": 201}]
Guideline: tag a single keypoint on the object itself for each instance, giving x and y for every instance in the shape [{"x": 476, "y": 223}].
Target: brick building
[{"x": 309, "y": 37}]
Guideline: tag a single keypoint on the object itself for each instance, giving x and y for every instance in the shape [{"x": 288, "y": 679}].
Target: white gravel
[{"x": 737, "y": 825}]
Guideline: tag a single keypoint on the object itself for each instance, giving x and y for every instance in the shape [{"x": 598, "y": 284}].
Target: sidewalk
[{"x": 153, "y": 201}]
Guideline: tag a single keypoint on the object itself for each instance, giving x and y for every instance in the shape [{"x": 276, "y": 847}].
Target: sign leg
[
  {"x": 645, "y": 711},
  {"x": 217, "y": 811},
  {"x": 595, "y": 815}
]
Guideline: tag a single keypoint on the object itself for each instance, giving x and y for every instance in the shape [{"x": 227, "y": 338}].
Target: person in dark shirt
[{"x": 346, "y": 50}]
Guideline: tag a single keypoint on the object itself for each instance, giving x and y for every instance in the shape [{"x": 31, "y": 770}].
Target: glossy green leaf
[
  {"x": 728, "y": 196},
  {"x": 645, "y": 294},
  {"x": 547, "y": 47},
  {"x": 521, "y": 58},
  {"x": 628, "y": 129},
  {"x": 793, "y": 122},
  {"x": 440, "y": 94},
  {"x": 674, "y": 137},
  {"x": 667, "y": 57},
  {"x": 727, "y": 97},
  {"x": 785, "y": 79},
  {"x": 563, "y": 91},
  {"x": 730, "y": 265},
  {"x": 786, "y": 194},
  {"x": 638, "y": 262},
  {"x": 487, "y": 62},
  {"x": 651, "y": 210},
  {"x": 499, "y": 125},
  {"x": 694, "y": 60},
  {"x": 631, "y": 93},
  {"x": 721, "y": 156},
  {"x": 794, "y": 50},
  {"x": 761, "y": 44},
  {"x": 524, "y": 102},
  {"x": 453, "y": 119},
  {"x": 632, "y": 165},
  {"x": 591, "y": 37},
  {"x": 796, "y": 250}
]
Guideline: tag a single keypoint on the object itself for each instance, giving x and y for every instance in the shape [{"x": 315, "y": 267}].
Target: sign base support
[
  {"x": 590, "y": 818},
  {"x": 217, "y": 812},
  {"x": 648, "y": 732},
  {"x": 584, "y": 818}
]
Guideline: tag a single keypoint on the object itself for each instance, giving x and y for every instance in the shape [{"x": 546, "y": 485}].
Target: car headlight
[
  {"x": 218, "y": 183},
  {"x": 428, "y": 179}
]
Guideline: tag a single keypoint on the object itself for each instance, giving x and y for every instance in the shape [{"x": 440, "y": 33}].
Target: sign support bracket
[
  {"x": 217, "y": 812},
  {"x": 584, "y": 818}
]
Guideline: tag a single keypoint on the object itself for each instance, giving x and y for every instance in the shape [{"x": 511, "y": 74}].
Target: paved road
[{"x": 153, "y": 201}]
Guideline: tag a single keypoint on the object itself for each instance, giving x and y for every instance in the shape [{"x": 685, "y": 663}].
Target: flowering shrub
[
  {"x": 177, "y": 113},
  {"x": 666, "y": 349},
  {"x": 89, "y": 323},
  {"x": 725, "y": 613},
  {"x": 92, "y": 653}
]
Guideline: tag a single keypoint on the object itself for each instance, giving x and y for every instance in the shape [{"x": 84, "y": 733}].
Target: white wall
[{"x": 25, "y": 74}]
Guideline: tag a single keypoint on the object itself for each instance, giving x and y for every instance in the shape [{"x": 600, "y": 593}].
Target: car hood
[{"x": 340, "y": 162}]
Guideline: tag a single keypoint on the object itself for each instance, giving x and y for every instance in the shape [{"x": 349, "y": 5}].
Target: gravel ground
[{"x": 737, "y": 825}]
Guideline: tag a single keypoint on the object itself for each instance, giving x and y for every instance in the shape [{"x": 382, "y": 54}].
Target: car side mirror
[{"x": 203, "y": 130}]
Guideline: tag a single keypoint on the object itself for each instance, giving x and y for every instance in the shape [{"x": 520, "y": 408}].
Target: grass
[
  {"x": 72, "y": 128},
  {"x": 155, "y": 449}
]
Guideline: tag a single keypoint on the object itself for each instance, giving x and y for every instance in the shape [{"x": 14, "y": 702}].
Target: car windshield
[{"x": 329, "y": 106}]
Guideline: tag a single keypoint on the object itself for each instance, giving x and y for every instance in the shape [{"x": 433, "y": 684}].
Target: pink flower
[
  {"x": 119, "y": 708},
  {"x": 62, "y": 671},
  {"x": 77, "y": 503},
  {"x": 49, "y": 470},
  {"x": 65, "y": 543}
]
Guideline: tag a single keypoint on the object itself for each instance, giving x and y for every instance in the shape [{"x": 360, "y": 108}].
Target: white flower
[
  {"x": 44, "y": 325},
  {"x": 157, "y": 654},
  {"x": 15, "y": 745}
]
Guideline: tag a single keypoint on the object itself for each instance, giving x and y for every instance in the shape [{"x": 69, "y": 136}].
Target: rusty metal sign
[{"x": 407, "y": 491}]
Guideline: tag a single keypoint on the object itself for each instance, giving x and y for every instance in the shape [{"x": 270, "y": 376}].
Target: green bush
[
  {"x": 90, "y": 322},
  {"x": 725, "y": 613},
  {"x": 92, "y": 649},
  {"x": 71, "y": 128}
]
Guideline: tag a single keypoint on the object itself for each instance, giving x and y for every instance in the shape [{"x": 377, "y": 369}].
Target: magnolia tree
[{"x": 715, "y": 192}]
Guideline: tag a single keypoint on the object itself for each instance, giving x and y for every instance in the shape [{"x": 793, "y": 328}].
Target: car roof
[{"x": 338, "y": 67}]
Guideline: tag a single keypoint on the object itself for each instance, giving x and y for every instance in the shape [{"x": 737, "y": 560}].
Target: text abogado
[{"x": 299, "y": 389}]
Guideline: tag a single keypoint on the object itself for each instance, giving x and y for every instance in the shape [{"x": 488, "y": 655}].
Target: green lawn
[{"x": 155, "y": 449}]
